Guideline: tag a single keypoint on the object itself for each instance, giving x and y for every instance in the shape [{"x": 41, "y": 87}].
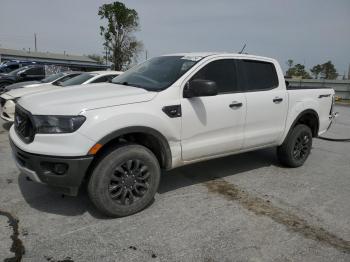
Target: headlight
[{"x": 57, "y": 124}]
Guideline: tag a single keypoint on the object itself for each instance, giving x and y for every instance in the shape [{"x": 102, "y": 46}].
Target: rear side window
[
  {"x": 259, "y": 75},
  {"x": 222, "y": 72},
  {"x": 35, "y": 71}
]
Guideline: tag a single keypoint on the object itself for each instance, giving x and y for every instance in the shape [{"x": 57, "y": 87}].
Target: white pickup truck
[{"x": 167, "y": 112}]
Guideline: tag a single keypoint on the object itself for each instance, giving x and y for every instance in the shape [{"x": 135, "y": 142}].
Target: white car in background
[
  {"x": 8, "y": 100},
  {"x": 54, "y": 79}
]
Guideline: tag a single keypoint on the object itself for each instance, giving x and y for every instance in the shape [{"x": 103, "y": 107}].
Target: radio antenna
[{"x": 240, "y": 52}]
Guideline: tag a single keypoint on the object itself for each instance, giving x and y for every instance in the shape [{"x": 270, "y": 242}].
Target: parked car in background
[
  {"x": 26, "y": 73},
  {"x": 8, "y": 100},
  {"x": 8, "y": 66},
  {"x": 55, "y": 79},
  {"x": 92, "y": 78},
  {"x": 29, "y": 73}
]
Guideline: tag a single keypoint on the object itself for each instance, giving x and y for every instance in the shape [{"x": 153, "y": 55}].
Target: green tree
[
  {"x": 99, "y": 59},
  {"x": 329, "y": 71},
  {"x": 122, "y": 22},
  {"x": 298, "y": 71},
  {"x": 290, "y": 63},
  {"x": 316, "y": 70}
]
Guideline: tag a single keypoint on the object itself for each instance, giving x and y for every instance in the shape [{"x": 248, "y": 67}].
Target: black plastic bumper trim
[{"x": 68, "y": 183}]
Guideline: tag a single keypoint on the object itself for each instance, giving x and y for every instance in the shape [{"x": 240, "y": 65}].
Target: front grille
[
  {"x": 2, "y": 101},
  {"x": 23, "y": 125}
]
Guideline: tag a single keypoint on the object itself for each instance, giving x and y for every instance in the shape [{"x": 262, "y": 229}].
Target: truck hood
[
  {"x": 74, "y": 99},
  {"x": 19, "y": 92}
]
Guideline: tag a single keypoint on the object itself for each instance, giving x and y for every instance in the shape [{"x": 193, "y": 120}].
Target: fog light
[{"x": 60, "y": 168}]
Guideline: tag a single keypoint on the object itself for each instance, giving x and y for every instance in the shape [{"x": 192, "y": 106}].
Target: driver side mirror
[{"x": 200, "y": 87}]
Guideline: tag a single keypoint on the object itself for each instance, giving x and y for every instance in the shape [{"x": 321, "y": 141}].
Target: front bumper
[{"x": 43, "y": 169}]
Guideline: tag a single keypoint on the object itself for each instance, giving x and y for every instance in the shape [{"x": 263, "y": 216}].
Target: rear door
[
  {"x": 267, "y": 103},
  {"x": 213, "y": 125}
]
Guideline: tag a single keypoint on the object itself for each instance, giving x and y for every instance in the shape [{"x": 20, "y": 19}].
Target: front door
[{"x": 214, "y": 125}]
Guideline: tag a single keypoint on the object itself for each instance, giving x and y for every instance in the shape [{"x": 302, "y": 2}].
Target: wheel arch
[
  {"x": 308, "y": 117},
  {"x": 146, "y": 136}
]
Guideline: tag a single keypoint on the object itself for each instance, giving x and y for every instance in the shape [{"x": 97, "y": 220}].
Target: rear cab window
[{"x": 258, "y": 75}]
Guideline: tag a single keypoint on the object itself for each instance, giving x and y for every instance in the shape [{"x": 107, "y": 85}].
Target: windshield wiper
[{"x": 128, "y": 84}]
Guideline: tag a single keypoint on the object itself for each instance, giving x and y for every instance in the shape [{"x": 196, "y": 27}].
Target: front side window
[
  {"x": 157, "y": 73},
  {"x": 222, "y": 72},
  {"x": 13, "y": 67},
  {"x": 259, "y": 75}
]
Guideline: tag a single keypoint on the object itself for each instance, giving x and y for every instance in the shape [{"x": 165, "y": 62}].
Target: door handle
[
  {"x": 277, "y": 100},
  {"x": 235, "y": 104},
  {"x": 327, "y": 95}
]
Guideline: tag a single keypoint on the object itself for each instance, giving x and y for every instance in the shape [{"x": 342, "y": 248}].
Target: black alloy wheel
[
  {"x": 301, "y": 147},
  {"x": 129, "y": 182},
  {"x": 125, "y": 180},
  {"x": 296, "y": 147}
]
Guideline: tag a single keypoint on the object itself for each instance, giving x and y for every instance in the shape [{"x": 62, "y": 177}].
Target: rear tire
[
  {"x": 124, "y": 181},
  {"x": 297, "y": 146}
]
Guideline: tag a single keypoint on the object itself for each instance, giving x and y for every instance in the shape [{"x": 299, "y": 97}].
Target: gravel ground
[{"x": 238, "y": 208}]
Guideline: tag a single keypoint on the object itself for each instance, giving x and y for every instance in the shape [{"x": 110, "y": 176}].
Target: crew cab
[
  {"x": 167, "y": 112},
  {"x": 8, "y": 99}
]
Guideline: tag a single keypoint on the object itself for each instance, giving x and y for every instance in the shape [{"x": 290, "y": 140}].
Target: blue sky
[{"x": 309, "y": 32}]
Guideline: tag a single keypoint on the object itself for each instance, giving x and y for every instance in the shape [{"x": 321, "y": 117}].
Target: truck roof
[{"x": 206, "y": 54}]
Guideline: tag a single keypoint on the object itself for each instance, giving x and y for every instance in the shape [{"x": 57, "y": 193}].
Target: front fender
[{"x": 104, "y": 124}]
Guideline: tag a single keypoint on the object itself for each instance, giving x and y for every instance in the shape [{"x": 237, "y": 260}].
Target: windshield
[
  {"x": 157, "y": 73},
  {"x": 14, "y": 72},
  {"x": 51, "y": 78},
  {"x": 78, "y": 80}
]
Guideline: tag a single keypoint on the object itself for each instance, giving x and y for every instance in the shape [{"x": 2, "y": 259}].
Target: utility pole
[
  {"x": 107, "y": 52},
  {"x": 35, "y": 48},
  {"x": 146, "y": 55}
]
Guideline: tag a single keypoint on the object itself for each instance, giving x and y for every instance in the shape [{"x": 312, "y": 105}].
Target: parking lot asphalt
[{"x": 239, "y": 208}]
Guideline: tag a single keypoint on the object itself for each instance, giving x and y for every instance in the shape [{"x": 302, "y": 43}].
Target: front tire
[
  {"x": 124, "y": 181},
  {"x": 297, "y": 146}
]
